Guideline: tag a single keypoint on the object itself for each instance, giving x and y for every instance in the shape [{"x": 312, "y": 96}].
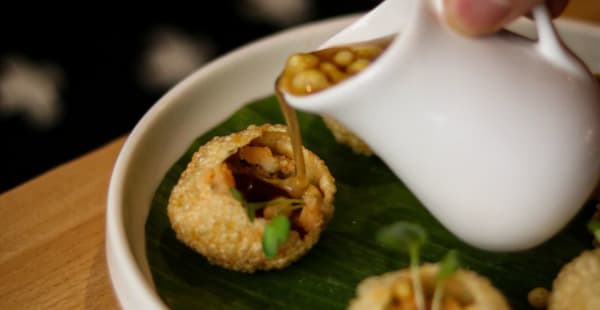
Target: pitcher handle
[{"x": 550, "y": 45}]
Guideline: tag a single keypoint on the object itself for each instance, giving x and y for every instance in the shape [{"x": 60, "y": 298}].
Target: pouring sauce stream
[{"x": 307, "y": 73}]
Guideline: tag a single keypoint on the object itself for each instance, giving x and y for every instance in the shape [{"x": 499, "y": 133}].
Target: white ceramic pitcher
[{"x": 499, "y": 137}]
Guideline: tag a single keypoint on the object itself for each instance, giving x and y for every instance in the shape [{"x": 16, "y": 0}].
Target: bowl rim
[{"x": 131, "y": 287}]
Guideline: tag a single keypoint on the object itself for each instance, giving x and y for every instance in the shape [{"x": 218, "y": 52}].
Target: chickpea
[
  {"x": 343, "y": 58},
  {"x": 357, "y": 66},
  {"x": 332, "y": 72},
  {"x": 300, "y": 62},
  {"x": 369, "y": 52},
  {"x": 309, "y": 81}
]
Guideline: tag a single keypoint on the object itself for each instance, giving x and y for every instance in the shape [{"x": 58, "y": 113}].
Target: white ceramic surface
[
  {"x": 195, "y": 105},
  {"x": 499, "y": 137}
]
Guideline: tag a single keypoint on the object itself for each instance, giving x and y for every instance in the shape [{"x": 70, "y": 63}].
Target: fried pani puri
[
  {"x": 393, "y": 290},
  {"x": 208, "y": 219}
]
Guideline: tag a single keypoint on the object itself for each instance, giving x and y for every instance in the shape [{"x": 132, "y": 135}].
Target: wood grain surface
[
  {"x": 52, "y": 237},
  {"x": 52, "y": 228},
  {"x": 586, "y": 10}
]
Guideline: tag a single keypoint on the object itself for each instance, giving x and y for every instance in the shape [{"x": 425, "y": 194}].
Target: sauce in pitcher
[{"x": 307, "y": 73}]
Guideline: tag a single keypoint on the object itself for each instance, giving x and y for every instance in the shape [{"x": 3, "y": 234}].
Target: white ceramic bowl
[{"x": 202, "y": 101}]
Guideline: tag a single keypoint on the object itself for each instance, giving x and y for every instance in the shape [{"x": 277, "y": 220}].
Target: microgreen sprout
[
  {"x": 448, "y": 266},
  {"x": 277, "y": 229},
  {"x": 594, "y": 227},
  {"x": 282, "y": 204},
  {"x": 238, "y": 196},
  {"x": 408, "y": 238},
  {"x": 276, "y": 233}
]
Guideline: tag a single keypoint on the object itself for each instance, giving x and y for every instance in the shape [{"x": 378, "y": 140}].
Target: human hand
[{"x": 480, "y": 17}]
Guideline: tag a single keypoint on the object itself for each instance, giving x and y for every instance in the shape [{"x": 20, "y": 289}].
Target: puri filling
[
  {"x": 402, "y": 297},
  {"x": 261, "y": 175}
]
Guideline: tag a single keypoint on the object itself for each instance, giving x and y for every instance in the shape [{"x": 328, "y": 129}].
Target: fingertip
[{"x": 476, "y": 17}]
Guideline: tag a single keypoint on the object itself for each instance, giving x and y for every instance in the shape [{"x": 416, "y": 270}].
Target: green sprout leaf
[
  {"x": 237, "y": 195},
  {"x": 276, "y": 233},
  {"x": 407, "y": 238},
  {"x": 594, "y": 227},
  {"x": 282, "y": 204},
  {"x": 249, "y": 208},
  {"x": 277, "y": 229},
  {"x": 402, "y": 237},
  {"x": 448, "y": 266}
]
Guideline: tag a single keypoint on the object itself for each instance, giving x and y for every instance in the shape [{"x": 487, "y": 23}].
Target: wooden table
[
  {"x": 52, "y": 229},
  {"x": 52, "y": 237}
]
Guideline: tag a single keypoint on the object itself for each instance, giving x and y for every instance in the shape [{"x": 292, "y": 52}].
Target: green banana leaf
[{"x": 369, "y": 196}]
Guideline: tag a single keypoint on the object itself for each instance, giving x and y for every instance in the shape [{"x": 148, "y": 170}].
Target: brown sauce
[
  {"x": 256, "y": 190},
  {"x": 296, "y": 140},
  {"x": 308, "y": 73},
  {"x": 253, "y": 183}
]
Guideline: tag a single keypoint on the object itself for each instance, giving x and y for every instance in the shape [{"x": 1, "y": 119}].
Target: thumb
[{"x": 478, "y": 17}]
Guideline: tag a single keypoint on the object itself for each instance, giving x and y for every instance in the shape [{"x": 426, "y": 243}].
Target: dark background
[{"x": 99, "y": 50}]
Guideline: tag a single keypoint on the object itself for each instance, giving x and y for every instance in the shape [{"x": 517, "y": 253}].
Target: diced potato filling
[
  {"x": 311, "y": 216},
  {"x": 260, "y": 156},
  {"x": 311, "y": 72},
  {"x": 271, "y": 172},
  {"x": 403, "y": 297},
  {"x": 265, "y": 163}
]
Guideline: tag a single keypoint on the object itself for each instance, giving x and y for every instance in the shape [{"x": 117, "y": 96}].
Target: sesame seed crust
[
  {"x": 376, "y": 292},
  {"x": 577, "y": 285},
  {"x": 208, "y": 219}
]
